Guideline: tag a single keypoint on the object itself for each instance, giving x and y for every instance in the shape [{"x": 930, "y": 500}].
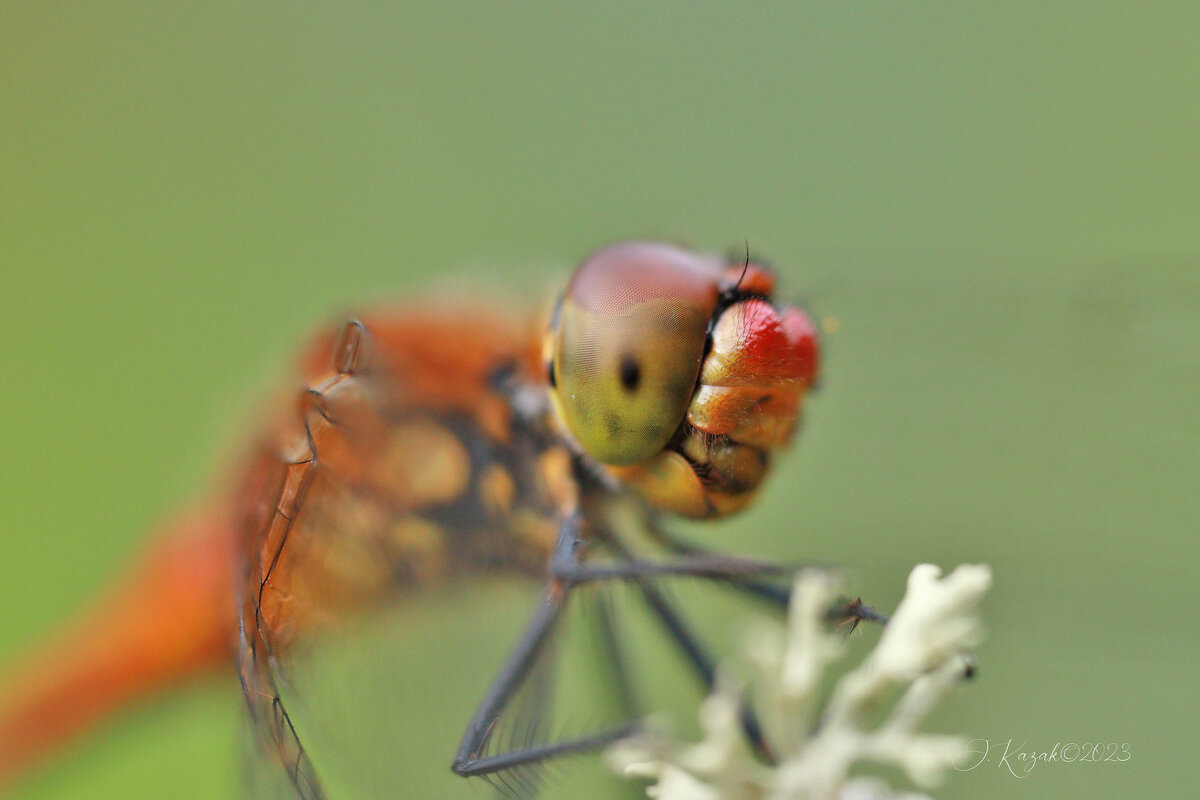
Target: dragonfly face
[{"x": 678, "y": 373}]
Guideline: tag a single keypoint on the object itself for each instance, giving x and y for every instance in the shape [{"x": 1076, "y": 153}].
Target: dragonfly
[{"x": 419, "y": 446}]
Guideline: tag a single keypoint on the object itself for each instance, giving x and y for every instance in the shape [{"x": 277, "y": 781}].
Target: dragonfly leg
[
  {"x": 469, "y": 760},
  {"x": 702, "y": 662},
  {"x": 625, "y": 685},
  {"x": 715, "y": 566},
  {"x": 850, "y": 612},
  {"x": 566, "y": 571},
  {"x": 774, "y": 594},
  {"x": 693, "y": 650},
  {"x": 711, "y": 566}
]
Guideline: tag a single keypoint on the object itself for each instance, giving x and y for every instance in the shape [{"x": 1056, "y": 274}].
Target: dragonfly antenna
[{"x": 745, "y": 267}]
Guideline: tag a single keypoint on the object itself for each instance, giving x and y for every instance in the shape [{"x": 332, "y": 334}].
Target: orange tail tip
[{"x": 173, "y": 617}]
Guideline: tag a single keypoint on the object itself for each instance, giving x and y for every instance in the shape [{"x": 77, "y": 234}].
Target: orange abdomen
[{"x": 171, "y": 618}]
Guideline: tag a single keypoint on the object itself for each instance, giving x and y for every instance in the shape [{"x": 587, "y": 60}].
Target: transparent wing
[
  {"x": 386, "y": 540},
  {"x": 366, "y": 518}
]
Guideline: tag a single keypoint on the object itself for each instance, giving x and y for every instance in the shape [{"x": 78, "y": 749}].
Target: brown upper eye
[
  {"x": 628, "y": 347},
  {"x": 631, "y": 373}
]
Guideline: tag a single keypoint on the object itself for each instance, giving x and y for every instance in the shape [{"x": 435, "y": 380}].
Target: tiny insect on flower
[{"x": 821, "y": 734}]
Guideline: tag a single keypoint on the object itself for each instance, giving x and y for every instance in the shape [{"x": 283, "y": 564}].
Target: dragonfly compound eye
[{"x": 629, "y": 346}]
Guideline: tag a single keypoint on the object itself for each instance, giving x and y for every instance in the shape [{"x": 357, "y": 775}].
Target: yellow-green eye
[{"x": 628, "y": 346}]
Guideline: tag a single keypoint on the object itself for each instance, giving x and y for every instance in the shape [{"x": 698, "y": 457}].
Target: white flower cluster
[{"x": 921, "y": 655}]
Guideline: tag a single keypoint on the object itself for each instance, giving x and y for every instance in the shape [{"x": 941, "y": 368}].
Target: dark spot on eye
[
  {"x": 631, "y": 373},
  {"x": 550, "y": 376},
  {"x": 612, "y": 425}
]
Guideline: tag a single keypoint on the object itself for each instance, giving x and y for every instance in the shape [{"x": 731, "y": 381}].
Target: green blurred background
[{"x": 998, "y": 203}]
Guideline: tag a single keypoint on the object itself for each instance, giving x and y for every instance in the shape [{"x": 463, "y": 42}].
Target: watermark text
[{"x": 1020, "y": 759}]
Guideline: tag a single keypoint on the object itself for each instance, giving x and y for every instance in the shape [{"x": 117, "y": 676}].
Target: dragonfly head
[{"x": 678, "y": 373}]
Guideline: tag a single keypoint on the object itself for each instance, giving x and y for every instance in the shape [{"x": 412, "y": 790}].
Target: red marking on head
[
  {"x": 776, "y": 345},
  {"x": 802, "y": 342}
]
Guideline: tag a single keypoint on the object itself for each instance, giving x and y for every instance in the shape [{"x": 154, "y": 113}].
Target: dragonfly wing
[
  {"x": 390, "y": 516},
  {"x": 388, "y": 476}
]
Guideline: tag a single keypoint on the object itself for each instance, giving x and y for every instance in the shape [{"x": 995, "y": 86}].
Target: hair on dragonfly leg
[
  {"x": 526, "y": 721},
  {"x": 470, "y": 758}
]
